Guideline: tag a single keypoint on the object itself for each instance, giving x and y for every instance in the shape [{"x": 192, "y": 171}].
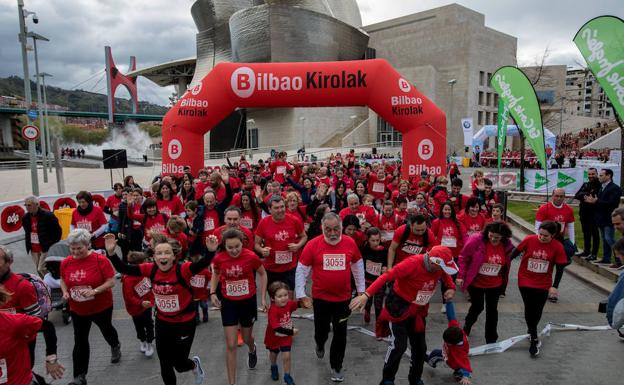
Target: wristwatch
[{"x": 51, "y": 359}]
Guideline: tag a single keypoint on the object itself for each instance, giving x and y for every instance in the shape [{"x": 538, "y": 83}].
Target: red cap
[{"x": 442, "y": 256}]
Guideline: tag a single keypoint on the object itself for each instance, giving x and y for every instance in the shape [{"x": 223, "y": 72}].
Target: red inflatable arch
[{"x": 372, "y": 83}]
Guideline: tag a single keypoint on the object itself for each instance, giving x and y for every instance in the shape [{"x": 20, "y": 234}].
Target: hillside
[{"x": 75, "y": 100}]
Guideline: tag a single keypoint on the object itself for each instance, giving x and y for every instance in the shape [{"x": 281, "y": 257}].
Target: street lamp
[
  {"x": 302, "y": 119},
  {"x": 42, "y": 125},
  {"x": 23, "y": 14},
  {"x": 353, "y": 117},
  {"x": 450, "y": 125}
]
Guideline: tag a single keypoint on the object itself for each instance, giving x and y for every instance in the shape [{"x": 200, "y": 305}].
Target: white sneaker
[
  {"x": 149, "y": 351},
  {"x": 198, "y": 371},
  {"x": 143, "y": 347},
  {"x": 443, "y": 310}
]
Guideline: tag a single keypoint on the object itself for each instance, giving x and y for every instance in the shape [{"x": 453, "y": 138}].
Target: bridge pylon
[{"x": 114, "y": 79}]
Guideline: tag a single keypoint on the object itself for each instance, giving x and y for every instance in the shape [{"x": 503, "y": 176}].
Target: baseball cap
[{"x": 442, "y": 256}]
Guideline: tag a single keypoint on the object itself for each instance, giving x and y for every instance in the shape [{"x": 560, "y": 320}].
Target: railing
[
  {"x": 353, "y": 131},
  {"x": 17, "y": 164}
]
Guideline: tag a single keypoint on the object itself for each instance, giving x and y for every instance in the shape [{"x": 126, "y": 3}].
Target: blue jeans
[{"x": 608, "y": 239}]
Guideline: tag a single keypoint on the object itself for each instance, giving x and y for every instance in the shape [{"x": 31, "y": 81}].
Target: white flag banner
[{"x": 468, "y": 131}]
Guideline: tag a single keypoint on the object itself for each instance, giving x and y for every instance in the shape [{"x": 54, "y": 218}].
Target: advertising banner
[
  {"x": 501, "y": 133},
  {"x": 468, "y": 131}
]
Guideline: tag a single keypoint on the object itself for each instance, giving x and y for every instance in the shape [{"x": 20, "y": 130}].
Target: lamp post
[
  {"x": 42, "y": 123},
  {"x": 450, "y": 125},
  {"x": 353, "y": 117},
  {"x": 23, "y": 14},
  {"x": 58, "y": 165},
  {"x": 250, "y": 122},
  {"x": 302, "y": 119}
]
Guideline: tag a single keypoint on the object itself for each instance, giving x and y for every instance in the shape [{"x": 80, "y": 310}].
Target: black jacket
[
  {"x": 586, "y": 210},
  {"x": 48, "y": 229},
  {"x": 608, "y": 200}
]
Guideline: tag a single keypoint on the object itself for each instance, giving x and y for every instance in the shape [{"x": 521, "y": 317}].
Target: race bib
[
  {"x": 280, "y": 170},
  {"x": 143, "y": 287},
  {"x": 412, "y": 249},
  {"x": 334, "y": 262},
  {"x": 423, "y": 297},
  {"x": 283, "y": 257},
  {"x": 387, "y": 235},
  {"x": 247, "y": 222},
  {"x": 209, "y": 224},
  {"x": 537, "y": 265},
  {"x": 76, "y": 293},
  {"x": 4, "y": 376},
  {"x": 167, "y": 303},
  {"x": 34, "y": 238},
  {"x": 490, "y": 269},
  {"x": 373, "y": 268},
  {"x": 86, "y": 225},
  {"x": 237, "y": 288},
  {"x": 166, "y": 210},
  {"x": 378, "y": 187},
  {"x": 449, "y": 241},
  {"x": 198, "y": 281}
]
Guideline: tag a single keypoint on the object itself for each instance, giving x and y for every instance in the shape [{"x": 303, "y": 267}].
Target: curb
[{"x": 591, "y": 275}]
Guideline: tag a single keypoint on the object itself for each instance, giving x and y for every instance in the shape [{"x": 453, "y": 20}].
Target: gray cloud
[{"x": 156, "y": 31}]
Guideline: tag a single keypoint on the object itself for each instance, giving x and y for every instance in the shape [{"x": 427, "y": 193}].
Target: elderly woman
[
  {"x": 86, "y": 280},
  {"x": 484, "y": 264}
]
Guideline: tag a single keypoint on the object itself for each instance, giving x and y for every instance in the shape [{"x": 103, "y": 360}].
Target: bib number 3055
[
  {"x": 334, "y": 262},
  {"x": 167, "y": 303}
]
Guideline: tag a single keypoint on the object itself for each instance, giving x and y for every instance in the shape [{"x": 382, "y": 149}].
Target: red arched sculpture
[
  {"x": 372, "y": 83},
  {"x": 114, "y": 79}
]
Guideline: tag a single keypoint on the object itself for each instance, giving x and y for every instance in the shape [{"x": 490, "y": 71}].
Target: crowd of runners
[{"x": 248, "y": 237}]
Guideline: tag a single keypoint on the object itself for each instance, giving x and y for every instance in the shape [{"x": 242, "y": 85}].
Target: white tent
[{"x": 550, "y": 139}]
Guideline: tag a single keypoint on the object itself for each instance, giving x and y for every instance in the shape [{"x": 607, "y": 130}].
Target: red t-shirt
[
  {"x": 200, "y": 283},
  {"x": 170, "y": 207},
  {"x": 388, "y": 225},
  {"x": 247, "y": 220},
  {"x": 490, "y": 271},
  {"x": 279, "y": 317},
  {"x": 413, "y": 245},
  {"x": 237, "y": 275},
  {"x": 17, "y": 331},
  {"x": 112, "y": 203},
  {"x": 91, "y": 222},
  {"x": 173, "y": 301},
  {"x": 331, "y": 267},
  {"x": 377, "y": 187},
  {"x": 249, "y": 237},
  {"x": 35, "y": 246},
  {"x": 278, "y": 168},
  {"x": 538, "y": 261},
  {"x": 277, "y": 236},
  {"x": 87, "y": 273},
  {"x": 200, "y": 189},
  {"x": 549, "y": 212},
  {"x": 457, "y": 355},
  {"x": 472, "y": 224},
  {"x": 401, "y": 215},
  {"x": 157, "y": 223},
  {"x": 364, "y": 214},
  {"x": 449, "y": 234},
  {"x": 135, "y": 290},
  {"x": 211, "y": 222},
  {"x": 24, "y": 295}
]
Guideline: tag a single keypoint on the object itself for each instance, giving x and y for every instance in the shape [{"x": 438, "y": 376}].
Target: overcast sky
[{"x": 157, "y": 31}]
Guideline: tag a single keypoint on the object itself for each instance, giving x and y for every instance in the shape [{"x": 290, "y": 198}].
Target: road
[{"x": 566, "y": 357}]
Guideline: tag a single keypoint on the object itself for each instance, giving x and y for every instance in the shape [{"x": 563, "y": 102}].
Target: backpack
[{"x": 43, "y": 293}]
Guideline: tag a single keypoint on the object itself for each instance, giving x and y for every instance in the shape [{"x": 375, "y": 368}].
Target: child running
[
  {"x": 280, "y": 330},
  {"x": 456, "y": 349},
  {"x": 376, "y": 262},
  {"x": 139, "y": 299}
]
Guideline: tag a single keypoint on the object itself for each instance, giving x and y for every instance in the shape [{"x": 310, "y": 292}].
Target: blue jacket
[
  {"x": 616, "y": 295},
  {"x": 608, "y": 200}
]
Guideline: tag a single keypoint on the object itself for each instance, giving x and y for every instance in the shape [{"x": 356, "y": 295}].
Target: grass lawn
[{"x": 527, "y": 210}]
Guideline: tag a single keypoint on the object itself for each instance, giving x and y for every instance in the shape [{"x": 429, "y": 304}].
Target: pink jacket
[{"x": 472, "y": 257}]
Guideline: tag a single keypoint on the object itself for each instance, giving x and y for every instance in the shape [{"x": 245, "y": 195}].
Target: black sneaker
[
  {"x": 274, "y": 373},
  {"x": 590, "y": 258},
  {"x": 534, "y": 349},
  {"x": 115, "y": 354},
  {"x": 320, "y": 352},
  {"x": 252, "y": 360},
  {"x": 80, "y": 380}
]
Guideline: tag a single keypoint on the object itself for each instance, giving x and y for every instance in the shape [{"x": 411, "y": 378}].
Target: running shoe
[
  {"x": 143, "y": 347},
  {"x": 252, "y": 359},
  {"x": 534, "y": 349},
  {"x": 79, "y": 380},
  {"x": 198, "y": 371},
  {"x": 149, "y": 350},
  {"x": 435, "y": 357},
  {"x": 337, "y": 376},
  {"x": 320, "y": 352},
  {"x": 275, "y": 373},
  {"x": 115, "y": 354},
  {"x": 443, "y": 310},
  {"x": 553, "y": 299},
  {"x": 288, "y": 380}
]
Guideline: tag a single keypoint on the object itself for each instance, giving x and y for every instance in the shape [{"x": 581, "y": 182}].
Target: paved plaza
[{"x": 567, "y": 357}]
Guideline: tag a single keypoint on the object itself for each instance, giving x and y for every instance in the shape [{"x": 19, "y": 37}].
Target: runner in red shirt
[
  {"x": 200, "y": 283},
  {"x": 401, "y": 209},
  {"x": 365, "y": 214},
  {"x": 279, "y": 167},
  {"x": 557, "y": 211},
  {"x": 448, "y": 230},
  {"x": 540, "y": 255},
  {"x": 175, "y": 315},
  {"x": 232, "y": 220},
  {"x": 250, "y": 213},
  {"x": 377, "y": 185},
  {"x": 388, "y": 222},
  {"x": 418, "y": 239},
  {"x": 473, "y": 220},
  {"x": 459, "y": 200},
  {"x": 202, "y": 184},
  {"x": 151, "y": 220},
  {"x": 111, "y": 206},
  {"x": 279, "y": 237},
  {"x": 439, "y": 195},
  {"x": 168, "y": 203},
  {"x": 89, "y": 217},
  {"x": 86, "y": 280},
  {"x": 407, "y": 305},
  {"x": 280, "y": 330},
  {"x": 332, "y": 259},
  {"x": 235, "y": 270},
  {"x": 351, "y": 227}
]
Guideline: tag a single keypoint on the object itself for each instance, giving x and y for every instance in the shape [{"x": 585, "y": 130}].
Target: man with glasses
[
  {"x": 42, "y": 230},
  {"x": 332, "y": 259}
]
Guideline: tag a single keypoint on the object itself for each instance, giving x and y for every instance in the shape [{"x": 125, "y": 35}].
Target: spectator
[{"x": 42, "y": 230}]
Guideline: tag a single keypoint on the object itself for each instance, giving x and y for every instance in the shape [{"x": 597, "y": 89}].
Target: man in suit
[
  {"x": 591, "y": 235},
  {"x": 41, "y": 229},
  {"x": 607, "y": 200}
]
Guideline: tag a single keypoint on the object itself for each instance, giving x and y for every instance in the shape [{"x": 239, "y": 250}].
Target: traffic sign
[
  {"x": 30, "y": 132},
  {"x": 32, "y": 114}
]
